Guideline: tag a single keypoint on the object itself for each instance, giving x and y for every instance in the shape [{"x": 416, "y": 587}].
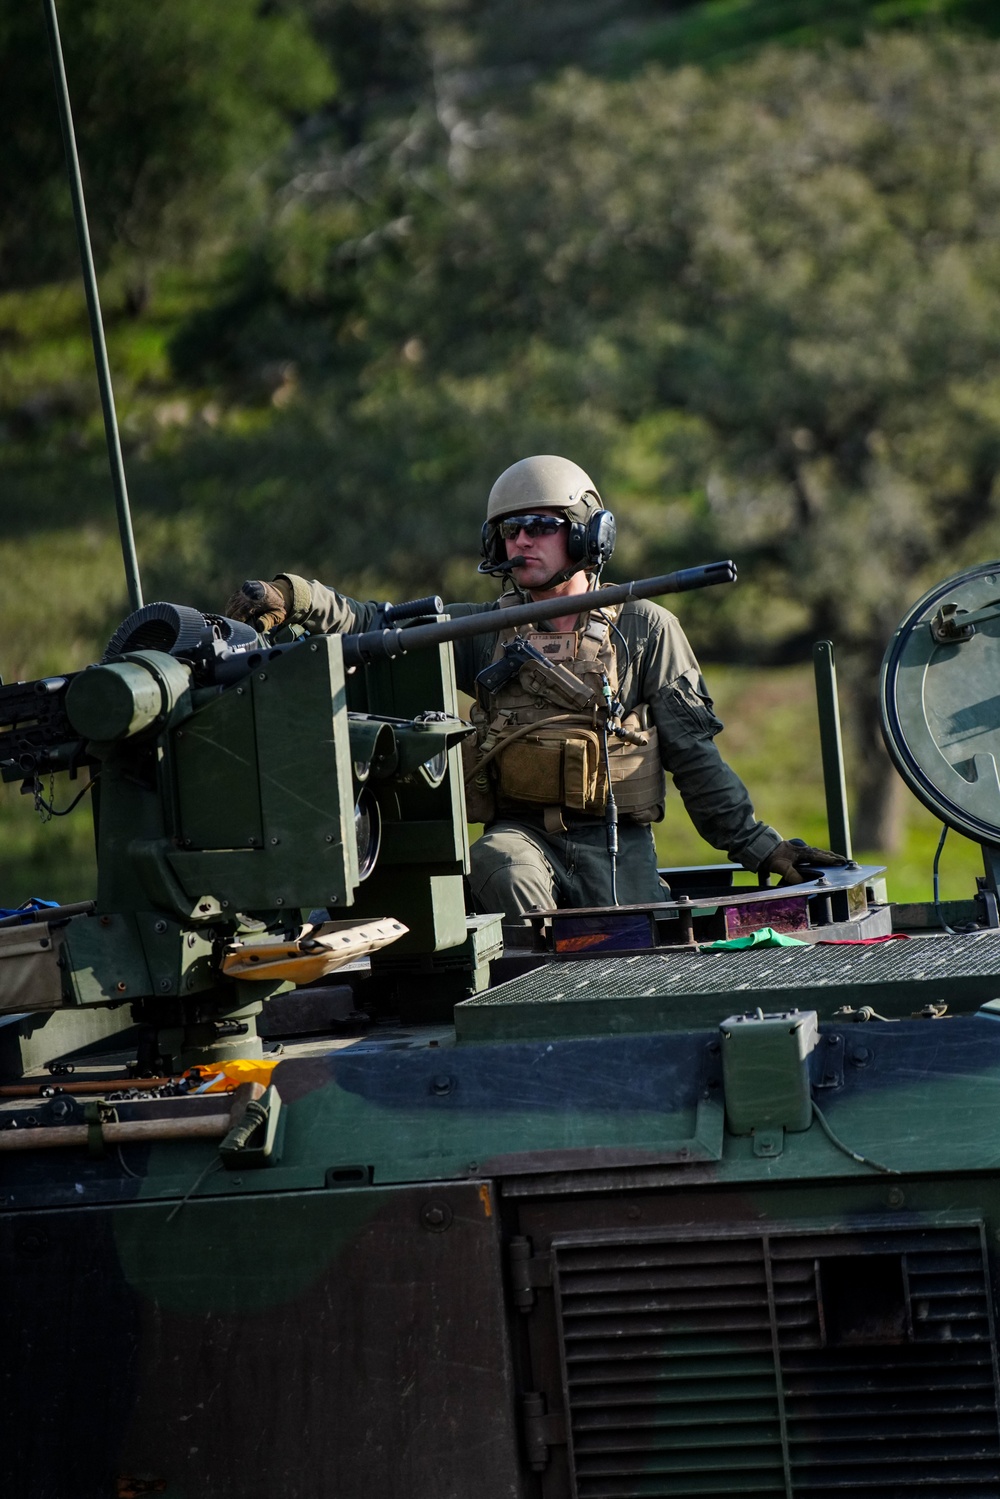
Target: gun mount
[{"x": 233, "y": 789}]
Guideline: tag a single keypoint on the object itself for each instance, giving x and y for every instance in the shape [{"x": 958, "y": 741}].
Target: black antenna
[{"x": 94, "y": 310}]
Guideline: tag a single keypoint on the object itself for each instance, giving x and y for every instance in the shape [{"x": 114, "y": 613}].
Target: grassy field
[{"x": 771, "y": 739}]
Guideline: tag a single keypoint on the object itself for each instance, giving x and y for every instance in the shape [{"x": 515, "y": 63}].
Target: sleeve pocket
[{"x": 687, "y": 698}]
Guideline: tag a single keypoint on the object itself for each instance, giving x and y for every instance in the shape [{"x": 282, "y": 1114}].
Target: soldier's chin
[{"x": 534, "y": 576}]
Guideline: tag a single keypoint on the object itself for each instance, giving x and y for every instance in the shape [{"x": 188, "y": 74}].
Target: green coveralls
[{"x": 516, "y": 864}]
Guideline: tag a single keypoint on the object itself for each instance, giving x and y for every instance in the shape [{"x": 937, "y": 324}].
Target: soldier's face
[{"x": 543, "y": 555}]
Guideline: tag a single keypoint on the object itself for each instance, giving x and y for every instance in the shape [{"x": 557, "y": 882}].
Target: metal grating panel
[
  {"x": 920, "y": 959},
  {"x": 799, "y": 1366},
  {"x": 676, "y": 989}
]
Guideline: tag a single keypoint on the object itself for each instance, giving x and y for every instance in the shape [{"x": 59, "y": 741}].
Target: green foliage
[
  {"x": 794, "y": 266},
  {"x": 762, "y": 305},
  {"x": 170, "y": 102}
]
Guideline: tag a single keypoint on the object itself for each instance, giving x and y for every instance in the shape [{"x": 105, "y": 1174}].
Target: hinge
[
  {"x": 527, "y": 1272},
  {"x": 543, "y": 1429}
]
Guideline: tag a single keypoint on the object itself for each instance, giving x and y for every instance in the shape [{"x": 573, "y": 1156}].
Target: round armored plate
[{"x": 940, "y": 692}]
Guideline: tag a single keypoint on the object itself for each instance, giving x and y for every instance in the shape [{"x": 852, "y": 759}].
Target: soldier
[{"x": 616, "y": 692}]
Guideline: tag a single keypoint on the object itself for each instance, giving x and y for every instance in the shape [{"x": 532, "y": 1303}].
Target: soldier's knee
[{"x": 510, "y": 873}]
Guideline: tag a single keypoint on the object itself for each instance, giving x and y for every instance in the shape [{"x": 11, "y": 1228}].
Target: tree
[{"x": 170, "y": 101}]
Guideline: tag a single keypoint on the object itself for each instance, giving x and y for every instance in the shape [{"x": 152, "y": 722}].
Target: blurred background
[{"x": 739, "y": 258}]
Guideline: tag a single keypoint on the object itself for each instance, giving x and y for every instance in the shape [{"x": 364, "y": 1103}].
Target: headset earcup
[
  {"x": 600, "y": 538},
  {"x": 489, "y": 544},
  {"x": 577, "y": 542}
]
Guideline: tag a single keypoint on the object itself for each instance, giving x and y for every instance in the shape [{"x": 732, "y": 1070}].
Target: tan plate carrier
[{"x": 539, "y": 740}]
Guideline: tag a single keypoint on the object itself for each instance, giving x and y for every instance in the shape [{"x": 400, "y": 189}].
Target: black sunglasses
[{"x": 532, "y": 525}]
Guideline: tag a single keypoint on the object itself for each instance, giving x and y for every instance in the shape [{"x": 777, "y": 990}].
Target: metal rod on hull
[
  {"x": 94, "y": 310},
  {"x": 381, "y": 645}
]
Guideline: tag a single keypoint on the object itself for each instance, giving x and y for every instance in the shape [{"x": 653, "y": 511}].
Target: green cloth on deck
[{"x": 765, "y": 937}]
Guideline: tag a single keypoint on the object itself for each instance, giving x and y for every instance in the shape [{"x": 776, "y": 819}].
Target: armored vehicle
[
  {"x": 643, "y": 1208},
  {"x": 311, "y": 1186}
]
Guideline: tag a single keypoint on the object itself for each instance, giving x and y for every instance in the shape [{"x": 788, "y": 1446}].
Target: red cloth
[{"x": 862, "y": 941}]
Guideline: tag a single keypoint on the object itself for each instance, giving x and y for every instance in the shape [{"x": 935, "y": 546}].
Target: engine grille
[{"x": 799, "y": 1366}]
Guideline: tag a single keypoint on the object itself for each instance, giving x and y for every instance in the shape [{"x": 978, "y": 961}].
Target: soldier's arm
[
  {"x": 290, "y": 600},
  {"x": 324, "y": 611},
  {"x": 669, "y": 679}
]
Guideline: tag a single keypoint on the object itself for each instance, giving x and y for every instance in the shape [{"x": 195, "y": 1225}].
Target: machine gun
[
  {"x": 242, "y": 781},
  {"x": 388, "y": 643},
  {"x": 39, "y": 737},
  {"x": 234, "y": 790}
]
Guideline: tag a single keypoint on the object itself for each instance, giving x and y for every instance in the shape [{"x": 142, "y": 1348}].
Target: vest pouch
[
  {"x": 552, "y": 767},
  {"x": 637, "y": 774},
  {"x": 480, "y": 798}
]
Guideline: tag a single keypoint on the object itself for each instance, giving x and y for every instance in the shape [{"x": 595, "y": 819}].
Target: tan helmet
[{"x": 544, "y": 481}]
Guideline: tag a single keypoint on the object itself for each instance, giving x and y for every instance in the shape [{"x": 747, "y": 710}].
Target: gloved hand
[
  {"x": 786, "y": 858},
  {"x": 264, "y": 605}
]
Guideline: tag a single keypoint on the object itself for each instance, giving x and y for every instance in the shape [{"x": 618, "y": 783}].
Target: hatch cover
[{"x": 940, "y": 696}]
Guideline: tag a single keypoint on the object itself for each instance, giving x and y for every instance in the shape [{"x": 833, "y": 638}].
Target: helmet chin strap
[{"x": 565, "y": 576}]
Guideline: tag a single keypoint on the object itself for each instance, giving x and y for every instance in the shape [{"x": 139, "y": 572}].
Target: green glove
[
  {"x": 791, "y": 854},
  {"x": 265, "y": 605}
]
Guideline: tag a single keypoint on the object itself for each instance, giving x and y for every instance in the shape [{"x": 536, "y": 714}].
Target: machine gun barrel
[{"x": 381, "y": 645}]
